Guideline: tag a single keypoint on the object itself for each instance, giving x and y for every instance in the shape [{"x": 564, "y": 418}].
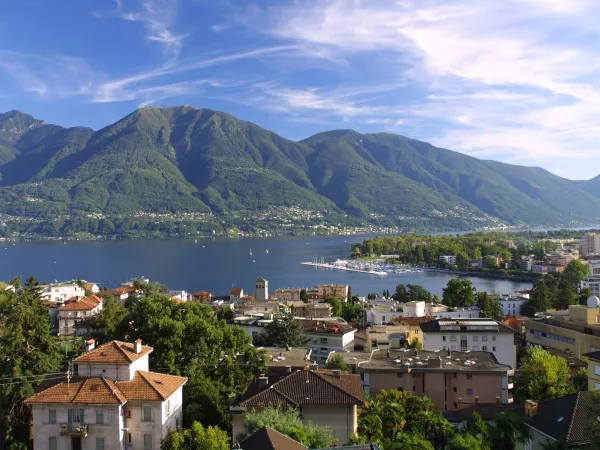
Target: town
[{"x": 145, "y": 366}]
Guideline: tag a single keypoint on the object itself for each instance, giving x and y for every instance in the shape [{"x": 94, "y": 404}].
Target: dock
[{"x": 337, "y": 267}]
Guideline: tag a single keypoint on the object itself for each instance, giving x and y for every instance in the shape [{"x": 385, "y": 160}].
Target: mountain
[{"x": 183, "y": 159}]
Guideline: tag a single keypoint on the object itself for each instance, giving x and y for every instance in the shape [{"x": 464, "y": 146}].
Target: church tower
[{"x": 261, "y": 289}]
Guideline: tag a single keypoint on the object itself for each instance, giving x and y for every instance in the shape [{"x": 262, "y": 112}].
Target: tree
[
  {"x": 459, "y": 293},
  {"x": 336, "y": 306},
  {"x": 371, "y": 296},
  {"x": 337, "y": 362},
  {"x": 462, "y": 260},
  {"x": 284, "y": 330},
  {"x": 467, "y": 442},
  {"x": 352, "y": 312},
  {"x": 409, "y": 292},
  {"x": 489, "y": 306},
  {"x": 27, "y": 352},
  {"x": 509, "y": 429},
  {"x": 575, "y": 272},
  {"x": 110, "y": 317},
  {"x": 196, "y": 438},
  {"x": 303, "y": 295},
  {"x": 287, "y": 421},
  {"x": 225, "y": 314},
  {"x": 580, "y": 379},
  {"x": 540, "y": 296},
  {"x": 543, "y": 376},
  {"x": 475, "y": 426}
]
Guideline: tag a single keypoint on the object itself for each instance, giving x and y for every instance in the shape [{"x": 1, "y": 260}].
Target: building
[
  {"x": 287, "y": 360},
  {"x": 236, "y": 294},
  {"x": 289, "y": 294},
  {"x": 179, "y": 295},
  {"x": 313, "y": 311},
  {"x": 378, "y": 315},
  {"x": 471, "y": 334},
  {"x": 385, "y": 336},
  {"x": 122, "y": 293},
  {"x": 323, "y": 397},
  {"x": 449, "y": 260},
  {"x": 564, "y": 420},
  {"x": 266, "y": 438},
  {"x": 590, "y": 244},
  {"x": 202, "y": 297},
  {"x": 448, "y": 378},
  {"x": 328, "y": 336},
  {"x": 261, "y": 289},
  {"x": 540, "y": 267},
  {"x": 511, "y": 306},
  {"x": 61, "y": 292},
  {"x": 593, "y": 370},
  {"x": 333, "y": 290},
  {"x": 113, "y": 402},
  {"x": 578, "y": 331},
  {"x": 92, "y": 287},
  {"x": 525, "y": 263},
  {"x": 76, "y": 310}
]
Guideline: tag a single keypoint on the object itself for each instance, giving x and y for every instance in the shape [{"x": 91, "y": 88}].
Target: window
[
  {"x": 597, "y": 369},
  {"x": 443, "y": 338},
  {"x": 76, "y": 416},
  {"x": 146, "y": 414},
  {"x": 469, "y": 391},
  {"x": 597, "y": 386},
  {"x": 484, "y": 338},
  {"x": 454, "y": 376},
  {"x": 52, "y": 443},
  {"x": 469, "y": 376},
  {"x": 484, "y": 348},
  {"x": 323, "y": 340},
  {"x": 99, "y": 443},
  {"x": 414, "y": 388},
  {"x": 475, "y": 338},
  {"x": 453, "y": 347},
  {"x": 383, "y": 318},
  {"x": 100, "y": 416},
  {"x": 463, "y": 342},
  {"x": 51, "y": 416},
  {"x": 454, "y": 388},
  {"x": 493, "y": 338},
  {"x": 129, "y": 438},
  {"x": 493, "y": 349},
  {"x": 444, "y": 347},
  {"x": 453, "y": 338},
  {"x": 168, "y": 408},
  {"x": 147, "y": 442}
]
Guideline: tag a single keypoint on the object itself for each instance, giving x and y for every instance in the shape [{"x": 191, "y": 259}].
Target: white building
[
  {"x": 236, "y": 294},
  {"x": 92, "y": 287},
  {"x": 75, "y": 311},
  {"x": 328, "y": 336},
  {"x": 261, "y": 289},
  {"x": 179, "y": 295},
  {"x": 61, "y": 292},
  {"x": 114, "y": 403},
  {"x": 378, "y": 315},
  {"x": 471, "y": 334},
  {"x": 448, "y": 259},
  {"x": 511, "y": 306},
  {"x": 414, "y": 309},
  {"x": 590, "y": 244}
]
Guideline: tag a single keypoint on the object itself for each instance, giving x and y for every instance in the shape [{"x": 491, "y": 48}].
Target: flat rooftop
[
  {"x": 352, "y": 358},
  {"x": 282, "y": 357},
  {"x": 425, "y": 360}
]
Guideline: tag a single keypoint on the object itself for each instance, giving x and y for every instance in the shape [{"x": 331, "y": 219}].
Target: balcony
[
  {"x": 74, "y": 430},
  {"x": 510, "y": 385}
]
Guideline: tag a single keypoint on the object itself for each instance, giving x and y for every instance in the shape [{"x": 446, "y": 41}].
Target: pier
[{"x": 320, "y": 262}]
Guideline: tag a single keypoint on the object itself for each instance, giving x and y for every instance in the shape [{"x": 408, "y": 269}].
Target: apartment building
[
  {"x": 74, "y": 311},
  {"x": 485, "y": 335},
  {"x": 449, "y": 260},
  {"x": 333, "y": 290},
  {"x": 511, "y": 306},
  {"x": 577, "y": 332},
  {"x": 113, "y": 402},
  {"x": 61, "y": 292},
  {"x": 323, "y": 397},
  {"x": 448, "y": 378},
  {"x": 328, "y": 336},
  {"x": 593, "y": 369},
  {"x": 590, "y": 244}
]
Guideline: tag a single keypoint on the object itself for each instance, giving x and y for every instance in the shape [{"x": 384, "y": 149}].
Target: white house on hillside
[
  {"x": 75, "y": 311},
  {"x": 114, "y": 403},
  {"x": 61, "y": 292}
]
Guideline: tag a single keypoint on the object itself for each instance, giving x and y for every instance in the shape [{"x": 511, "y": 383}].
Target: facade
[
  {"x": 448, "y": 378},
  {"x": 414, "y": 327},
  {"x": 525, "y": 263},
  {"x": 235, "y": 295},
  {"x": 261, "y": 289},
  {"x": 313, "y": 311},
  {"x": 77, "y": 310},
  {"x": 593, "y": 370},
  {"x": 290, "y": 294},
  {"x": 448, "y": 259},
  {"x": 511, "y": 306},
  {"x": 113, "y": 403},
  {"x": 578, "y": 332},
  {"x": 326, "y": 337},
  {"x": 323, "y": 397},
  {"x": 122, "y": 293},
  {"x": 590, "y": 244},
  {"x": 474, "y": 335},
  {"x": 333, "y": 290},
  {"x": 92, "y": 287},
  {"x": 381, "y": 314},
  {"x": 61, "y": 292}
]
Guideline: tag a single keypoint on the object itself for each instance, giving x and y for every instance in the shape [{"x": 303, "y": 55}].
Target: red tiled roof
[
  {"x": 123, "y": 290},
  {"x": 235, "y": 291},
  {"x": 307, "y": 388},
  {"x": 325, "y": 326},
  {"x": 114, "y": 352},
  {"x": 82, "y": 304},
  {"x": 89, "y": 286},
  {"x": 93, "y": 390},
  {"x": 150, "y": 386}
]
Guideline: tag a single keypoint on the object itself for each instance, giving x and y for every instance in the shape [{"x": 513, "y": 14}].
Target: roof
[
  {"x": 282, "y": 357},
  {"x": 88, "y": 303},
  {"x": 114, "y": 352},
  {"x": 123, "y": 290},
  {"x": 567, "y": 418},
  {"x": 322, "y": 387},
  {"x": 145, "y": 386},
  {"x": 593, "y": 355},
  {"x": 260, "y": 279},
  {"x": 326, "y": 327},
  {"x": 433, "y": 326},
  {"x": 93, "y": 390},
  {"x": 447, "y": 361},
  {"x": 150, "y": 386},
  {"x": 266, "y": 438},
  {"x": 235, "y": 291},
  {"x": 90, "y": 286},
  {"x": 413, "y": 321}
]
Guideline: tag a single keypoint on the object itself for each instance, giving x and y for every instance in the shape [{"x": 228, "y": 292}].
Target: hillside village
[{"x": 320, "y": 351}]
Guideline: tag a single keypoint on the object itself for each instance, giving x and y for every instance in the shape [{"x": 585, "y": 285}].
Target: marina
[{"x": 377, "y": 267}]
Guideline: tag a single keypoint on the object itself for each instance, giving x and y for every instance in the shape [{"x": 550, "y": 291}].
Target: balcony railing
[{"x": 77, "y": 430}]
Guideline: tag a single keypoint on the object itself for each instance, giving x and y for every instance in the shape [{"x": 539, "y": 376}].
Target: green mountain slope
[{"x": 183, "y": 159}]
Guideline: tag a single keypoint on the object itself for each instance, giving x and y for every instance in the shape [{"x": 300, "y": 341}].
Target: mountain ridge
[{"x": 185, "y": 159}]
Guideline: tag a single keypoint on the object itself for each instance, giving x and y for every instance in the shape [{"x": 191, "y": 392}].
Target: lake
[{"x": 212, "y": 265}]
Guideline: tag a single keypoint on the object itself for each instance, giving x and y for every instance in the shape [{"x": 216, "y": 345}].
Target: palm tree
[{"x": 509, "y": 430}]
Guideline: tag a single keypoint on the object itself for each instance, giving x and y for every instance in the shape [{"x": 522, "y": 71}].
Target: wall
[
  {"x": 116, "y": 372},
  {"x": 593, "y": 377},
  {"x": 580, "y": 343},
  {"x": 505, "y": 349},
  {"x": 341, "y": 419},
  {"x": 110, "y": 430}
]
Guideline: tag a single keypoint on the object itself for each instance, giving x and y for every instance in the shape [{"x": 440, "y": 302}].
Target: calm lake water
[{"x": 212, "y": 265}]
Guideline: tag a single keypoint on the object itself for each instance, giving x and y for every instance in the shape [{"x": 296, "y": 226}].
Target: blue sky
[{"x": 513, "y": 80}]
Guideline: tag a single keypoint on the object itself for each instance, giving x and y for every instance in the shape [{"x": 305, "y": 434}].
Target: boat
[
  {"x": 195, "y": 241},
  {"x": 267, "y": 252},
  {"x": 250, "y": 252}
]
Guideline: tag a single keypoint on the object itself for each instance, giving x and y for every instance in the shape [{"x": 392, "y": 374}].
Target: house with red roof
[{"x": 77, "y": 309}]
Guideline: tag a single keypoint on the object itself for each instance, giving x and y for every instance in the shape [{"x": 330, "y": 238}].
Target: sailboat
[
  {"x": 250, "y": 252},
  {"x": 267, "y": 252}
]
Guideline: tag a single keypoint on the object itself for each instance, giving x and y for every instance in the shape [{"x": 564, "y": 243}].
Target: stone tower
[{"x": 261, "y": 289}]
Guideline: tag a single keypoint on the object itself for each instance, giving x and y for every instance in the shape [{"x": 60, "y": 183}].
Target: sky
[{"x": 516, "y": 81}]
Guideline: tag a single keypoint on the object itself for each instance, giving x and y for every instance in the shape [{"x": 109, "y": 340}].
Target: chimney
[
  {"x": 434, "y": 362},
  {"x": 476, "y": 399},
  {"x": 137, "y": 346},
  {"x": 531, "y": 408},
  {"x": 288, "y": 369},
  {"x": 337, "y": 373},
  {"x": 571, "y": 360},
  {"x": 263, "y": 381},
  {"x": 90, "y": 345}
]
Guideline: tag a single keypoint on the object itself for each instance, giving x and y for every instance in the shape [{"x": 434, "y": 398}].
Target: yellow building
[
  {"x": 414, "y": 327},
  {"x": 593, "y": 360}
]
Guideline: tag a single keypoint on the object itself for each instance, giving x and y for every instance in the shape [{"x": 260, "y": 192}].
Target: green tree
[
  {"x": 287, "y": 421},
  {"x": 580, "y": 379},
  {"x": 462, "y": 260},
  {"x": 110, "y": 317},
  {"x": 467, "y": 442},
  {"x": 225, "y": 314},
  {"x": 540, "y": 296},
  {"x": 27, "y": 352},
  {"x": 352, "y": 312},
  {"x": 543, "y": 376},
  {"x": 489, "y": 306},
  {"x": 196, "y": 438},
  {"x": 303, "y": 295},
  {"x": 284, "y": 330},
  {"x": 409, "y": 292},
  {"x": 508, "y": 430},
  {"x": 336, "y": 306},
  {"x": 575, "y": 272},
  {"x": 459, "y": 293},
  {"x": 476, "y": 427},
  {"x": 337, "y": 362}
]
